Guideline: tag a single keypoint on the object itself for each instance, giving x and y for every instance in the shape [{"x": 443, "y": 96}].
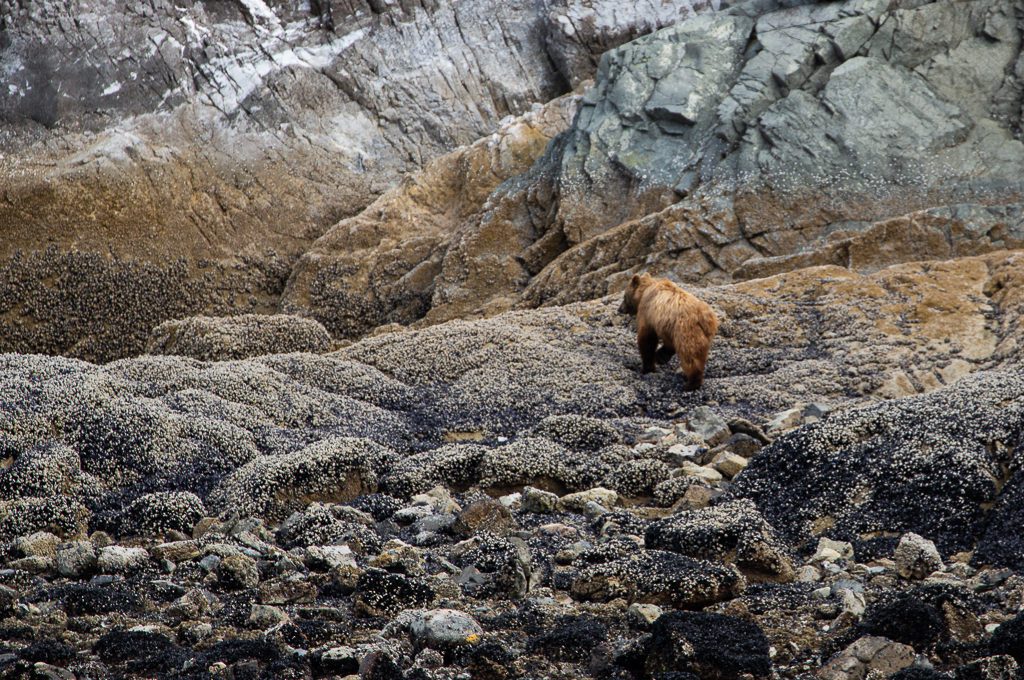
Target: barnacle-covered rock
[
  {"x": 238, "y": 337},
  {"x": 730, "y": 532},
  {"x": 156, "y": 513},
  {"x": 659, "y": 577},
  {"x": 578, "y": 433},
  {"x": 59, "y": 515},
  {"x": 334, "y": 470},
  {"x": 322, "y": 524},
  {"x": 903, "y": 465},
  {"x": 711, "y": 646},
  {"x": 48, "y": 469},
  {"x": 539, "y": 463}
]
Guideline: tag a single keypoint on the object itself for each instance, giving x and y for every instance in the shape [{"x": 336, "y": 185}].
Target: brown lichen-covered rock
[{"x": 383, "y": 265}]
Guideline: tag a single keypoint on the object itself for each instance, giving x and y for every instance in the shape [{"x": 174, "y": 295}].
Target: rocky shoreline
[
  {"x": 509, "y": 497},
  {"x": 310, "y": 365}
]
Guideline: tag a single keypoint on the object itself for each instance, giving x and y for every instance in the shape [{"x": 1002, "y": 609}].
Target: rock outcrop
[
  {"x": 194, "y": 152},
  {"x": 751, "y": 141}
]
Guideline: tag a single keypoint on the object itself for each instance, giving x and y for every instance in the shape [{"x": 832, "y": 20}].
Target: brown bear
[{"x": 683, "y": 324}]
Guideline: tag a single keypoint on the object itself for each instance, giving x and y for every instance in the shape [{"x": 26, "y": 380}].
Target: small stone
[
  {"x": 749, "y": 429},
  {"x": 708, "y": 425},
  {"x": 512, "y": 501},
  {"x": 695, "y": 496},
  {"x": 869, "y": 656},
  {"x": 829, "y": 550},
  {"x": 960, "y": 570},
  {"x": 76, "y": 559},
  {"x": 916, "y": 557},
  {"x": 428, "y": 658},
  {"x": 329, "y": 557},
  {"x": 44, "y": 671},
  {"x": 817, "y": 411},
  {"x": 292, "y": 589},
  {"x": 822, "y": 593},
  {"x": 204, "y": 526},
  {"x": 484, "y": 515},
  {"x": 539, "y": 501},
  {"x": 852, "y": 602},
  {"x": 193, "y": 632},
  {"x": 265, "y": 616},
  {"x": 412, "y": 514},
  {"x": 194, "y": 604},
  {"x": 210, "y": 563},
  {"x": 39, "y": 544},
  {"x": 397, "y": 556},
  {"x": 439, "y": 499},
  {"x": 116, "y": 559},
  {"x": 654, "y": 434},
  {"x": 707, "y": 474},
  {"x": 338, "y": 661},
  {"x": 847, "y": 584},
  {"x": 444, "y": 628},
  {"x": 729, "y": 464},
  {"x": 576, "y": 502},
  {"x": 177, "y": 551},
  {"x": 8, "y": 600},
  {"x": 643, "y": 614},
  {"x": 101, "y": 539},
  {"x": 33, "y": 565},
  {"x": 677, "y": 454},
  {"x": 808, "y": 574},
  {"x": 743, "y": 445},
  {"x": 238, "y": 572},
  {"x": 785, "y": 421}
]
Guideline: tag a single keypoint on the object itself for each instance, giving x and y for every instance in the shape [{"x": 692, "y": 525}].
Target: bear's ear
[{"x": 636, "y": 280}]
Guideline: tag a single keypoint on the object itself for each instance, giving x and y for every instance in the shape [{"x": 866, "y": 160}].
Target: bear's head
[{"x": 634, "y": 291}]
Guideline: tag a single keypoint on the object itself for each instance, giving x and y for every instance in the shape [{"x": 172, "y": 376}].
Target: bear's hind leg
[{"x": 664, "y": 354}]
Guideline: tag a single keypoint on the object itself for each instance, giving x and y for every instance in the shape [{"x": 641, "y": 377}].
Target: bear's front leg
[{"x": 647, "y": 342}]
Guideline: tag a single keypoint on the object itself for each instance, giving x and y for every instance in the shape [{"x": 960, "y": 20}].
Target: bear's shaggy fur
[{"x": 683, "y": 324}]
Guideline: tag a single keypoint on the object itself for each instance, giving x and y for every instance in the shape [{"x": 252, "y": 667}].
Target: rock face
[
  {"x": 200, "y": 167},
  {"x": 580, "y": 31},
  {"x": 380, "y": 266},
  {"x": 732, "y": 143},
  {"x": 753, "y": 141}
]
